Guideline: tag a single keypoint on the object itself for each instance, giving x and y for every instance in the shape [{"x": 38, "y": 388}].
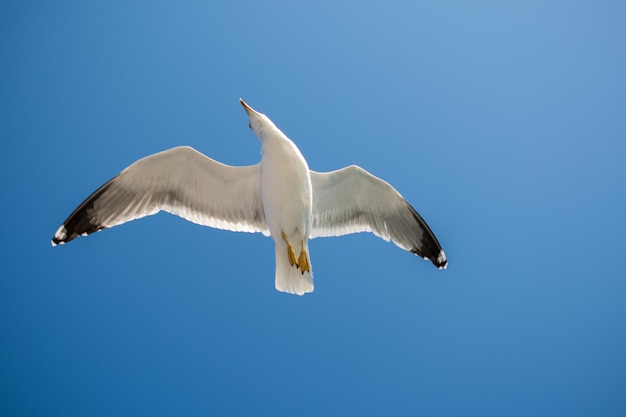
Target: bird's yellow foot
[
  {"x": 303, "y": 260},
  {"x": 290, "y": 253}
]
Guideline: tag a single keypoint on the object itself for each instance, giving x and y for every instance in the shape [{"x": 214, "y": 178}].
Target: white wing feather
[
  {"x": 351, "y": 200},
  {"x": 181, "y": 181}
]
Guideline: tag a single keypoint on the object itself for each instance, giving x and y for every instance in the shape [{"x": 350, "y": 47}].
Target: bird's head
[{"x": 260, "y": 124}]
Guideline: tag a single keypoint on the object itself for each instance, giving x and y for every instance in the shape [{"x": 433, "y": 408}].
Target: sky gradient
[{"x": 502, "y": 124}]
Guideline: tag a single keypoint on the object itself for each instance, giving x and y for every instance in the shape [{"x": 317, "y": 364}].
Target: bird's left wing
[
  {"x": 351, "y": 200},
  {"x": 181, "y": 181}
]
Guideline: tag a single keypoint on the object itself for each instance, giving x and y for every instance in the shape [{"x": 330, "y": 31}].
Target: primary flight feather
[{"x": 279, "y": 197}]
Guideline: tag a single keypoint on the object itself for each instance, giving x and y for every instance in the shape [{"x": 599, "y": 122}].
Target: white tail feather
[{"x": 289, "y": 278}]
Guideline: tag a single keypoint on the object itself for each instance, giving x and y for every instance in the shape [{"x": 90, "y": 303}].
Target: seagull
[{"x": 278, "y": 197}]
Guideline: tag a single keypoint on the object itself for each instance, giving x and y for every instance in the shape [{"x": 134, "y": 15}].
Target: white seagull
[{"x": 279, "y": 197}]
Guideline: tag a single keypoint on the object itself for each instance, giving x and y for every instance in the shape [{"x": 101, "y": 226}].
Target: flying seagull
[{"x": 279, "y": 197}]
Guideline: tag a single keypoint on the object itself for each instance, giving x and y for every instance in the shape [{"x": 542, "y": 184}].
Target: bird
[{"x": 279, "y": 197}]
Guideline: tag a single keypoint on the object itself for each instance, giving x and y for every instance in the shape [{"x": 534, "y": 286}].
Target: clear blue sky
[{"x": 503, "y": 123}]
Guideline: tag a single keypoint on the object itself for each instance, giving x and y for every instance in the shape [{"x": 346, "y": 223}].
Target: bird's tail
[{"x": 291, "y": 278}]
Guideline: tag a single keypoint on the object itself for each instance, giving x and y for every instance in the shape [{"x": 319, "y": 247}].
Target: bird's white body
[
  {"x": 287, "y": 198},
  {"x": 280, "y": 196}
]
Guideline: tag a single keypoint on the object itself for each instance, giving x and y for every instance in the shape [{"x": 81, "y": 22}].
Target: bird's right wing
[
  {"x": 351, "y": 200},
  {"x": 181, "y": 181}
]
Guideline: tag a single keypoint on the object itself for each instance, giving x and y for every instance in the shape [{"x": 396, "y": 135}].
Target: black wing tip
[
  {"x": 430, "y": 248},
  {"x": 81, "y": 221},
  {"x": 439, "y": 260},
  {"x": 62, "y": 235}
]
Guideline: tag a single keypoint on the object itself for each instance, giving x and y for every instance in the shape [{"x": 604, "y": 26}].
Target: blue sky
[{"x": 501, "y": 122}]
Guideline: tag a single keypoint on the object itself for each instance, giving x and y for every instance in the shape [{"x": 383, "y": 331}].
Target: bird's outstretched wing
[
  {"x": 181, "y": 181},
  {"x": 351, "y": 200}
]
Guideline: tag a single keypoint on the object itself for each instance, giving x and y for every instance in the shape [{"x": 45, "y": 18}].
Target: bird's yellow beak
[{"x": 247, "y": 108}]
